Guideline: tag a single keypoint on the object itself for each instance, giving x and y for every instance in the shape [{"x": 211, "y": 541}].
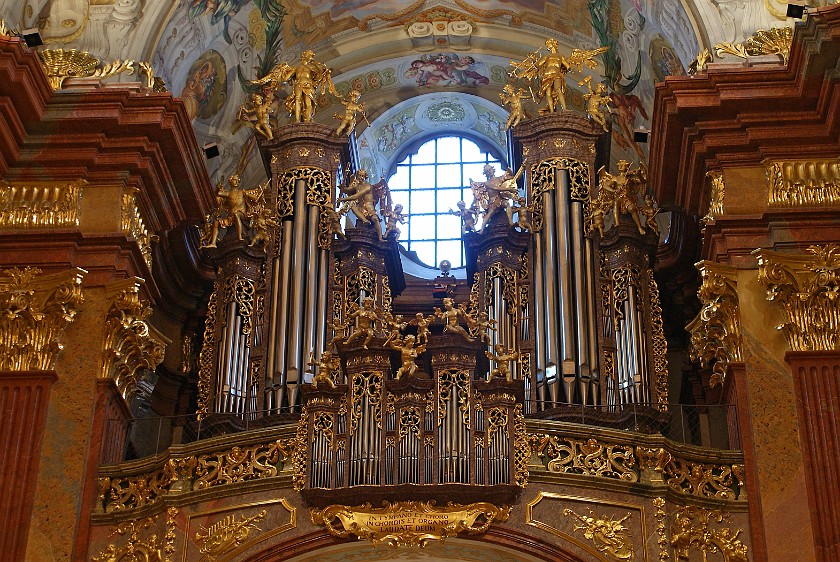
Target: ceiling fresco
[{"x": 208, "y": 51}]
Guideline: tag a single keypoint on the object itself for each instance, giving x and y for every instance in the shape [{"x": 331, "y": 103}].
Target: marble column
[
  {"x": 816, "y": 384},
  {"x": 24, "y": 397}
]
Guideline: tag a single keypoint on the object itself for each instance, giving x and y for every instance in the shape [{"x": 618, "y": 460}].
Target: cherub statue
[
  {"x": 257, "y": 113},
  {"x": 332, "y": 220},
  {"x": 451, "y": 315},
  {"x": 326, "y": 366},
  {"x": 366, "y": 325},
  {"x": 524, "y": 212},
  {"x": 359, "y": 193},
  {"x": 550, "y": 70},
  {"x": 649, "y": 210},
  {"x": 339, "y": 330},
  {"x": 502, "y": 357},
  {"x": 392, "y": 218},
  {"x": 481, "y": 327},
  {"x": 595, "y": 100},
  {"x": 305, "y": 79},
  {"x": 408, "y": 355},
  {"x": 262, "y": 221},
  {"x": 598, "y": 215},
  {"x": 468, "y": 217},
  {"x": 513, "y": 98},
  {"x": 397, "y": 325},
  {"x": 351, "y": 105},
  {"x": 232, "y": 209},
  {"x": 422, "y": 322},
  {"x": 621, "y": 192}
]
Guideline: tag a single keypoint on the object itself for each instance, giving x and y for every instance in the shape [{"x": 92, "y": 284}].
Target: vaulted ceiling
[{"x": 395, "y": 52}]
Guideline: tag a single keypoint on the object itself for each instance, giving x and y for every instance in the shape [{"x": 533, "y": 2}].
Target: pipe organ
[
  {"x": 379, "y": 437},
  {"x": 560, "y": 148},
  {"x": 635, "y": 345},
  {"x": 577, "y": 330}
]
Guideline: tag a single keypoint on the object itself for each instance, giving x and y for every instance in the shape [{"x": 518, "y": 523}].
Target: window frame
[{"x": 404, "y": 159}]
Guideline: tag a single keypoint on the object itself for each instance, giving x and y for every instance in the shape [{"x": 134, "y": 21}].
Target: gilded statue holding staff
[
  {"x": 548, "y": 71},
  {"x": 307, "y": 79}
]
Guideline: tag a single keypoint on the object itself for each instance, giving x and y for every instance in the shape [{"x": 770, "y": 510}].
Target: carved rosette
[
  {"x": 716, "y": 330},
  {"x": 34, "y": 312},
  {"x": 131, "y": 343},
  {"x": 808, "y": 289},
  {"x": 408, "y": 524}
]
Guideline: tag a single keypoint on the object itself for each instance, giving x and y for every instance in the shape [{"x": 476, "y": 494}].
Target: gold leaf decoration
[
  {"x": 227, "y": 534},
  {"x": 807, "y": 288},
  {"x": 692, "y": 527},
  {"x": 716, "y": 330},
  {"x": 774, "y": 41},
  {"x": 34, "y": 312},
  {"x": 61, "y": 64},
  {"x": 609, "y": 535},
  {"x": 408, "y": 524}
]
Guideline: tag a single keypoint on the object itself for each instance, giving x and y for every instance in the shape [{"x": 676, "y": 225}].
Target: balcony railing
[{"x": 713, "y": 426}]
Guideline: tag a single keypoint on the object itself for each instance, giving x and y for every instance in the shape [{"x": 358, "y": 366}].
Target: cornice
[{"x": 737, "y": 116}]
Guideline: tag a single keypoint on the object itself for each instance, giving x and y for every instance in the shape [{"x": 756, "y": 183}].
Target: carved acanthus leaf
[
  {"x": 807, "y": 286},
  {"x": 131, "y": 343},
  {"x": 716, "y": 330},
  {"x": 34, "y": 312}
]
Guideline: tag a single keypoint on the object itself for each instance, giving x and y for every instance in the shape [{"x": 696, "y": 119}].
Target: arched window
[{"x": 429, "y": 182}]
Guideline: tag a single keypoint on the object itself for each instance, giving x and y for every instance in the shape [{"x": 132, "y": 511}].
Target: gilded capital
[
  {"x": 131, "y": 343},
  {"x": 35, "y": 310},
  {"x": 716, "y": 330},
  {"x": 807, "y": 287}
]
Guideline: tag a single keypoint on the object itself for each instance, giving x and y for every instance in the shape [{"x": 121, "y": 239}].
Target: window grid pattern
[{"x": 429, "y": 184}]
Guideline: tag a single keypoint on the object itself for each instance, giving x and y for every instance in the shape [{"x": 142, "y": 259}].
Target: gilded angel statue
[
  {"x": 549, "y": 71},
  {"x": 621, "y": 192},
  {"x": 306, "y": 79}
]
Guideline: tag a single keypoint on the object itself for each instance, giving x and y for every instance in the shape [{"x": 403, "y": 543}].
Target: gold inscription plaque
[{"x": 410, "y": 523}]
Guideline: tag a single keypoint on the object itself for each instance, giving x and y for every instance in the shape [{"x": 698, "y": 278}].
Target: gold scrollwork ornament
[
  {"x": 225, "y": 535},
  {"x": 408, "y": 524},
  {"x": 609, "y": 535}
]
